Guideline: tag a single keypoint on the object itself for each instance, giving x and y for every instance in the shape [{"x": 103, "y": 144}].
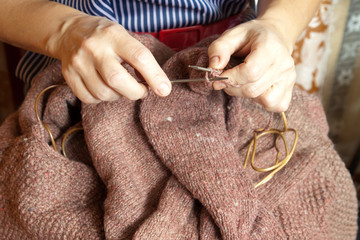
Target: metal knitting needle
[
  {"x": 204, "y": 69},
  {"x": 198, "y": 80},
  {"x": 187, "y": 80}
]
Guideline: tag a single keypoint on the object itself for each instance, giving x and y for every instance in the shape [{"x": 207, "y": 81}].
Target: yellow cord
[
  {"x": 47, "y": 127},
  {"x": 38, "y": 117},
  {"x": 65, "y": 137},
  {"x": 279, "y": 164}
]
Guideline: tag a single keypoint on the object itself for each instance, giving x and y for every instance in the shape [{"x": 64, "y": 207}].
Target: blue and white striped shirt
[{"x": 140, "y": 16}]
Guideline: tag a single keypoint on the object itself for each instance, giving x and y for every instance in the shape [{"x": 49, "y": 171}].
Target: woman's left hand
[{"x": 268, "y": 72}]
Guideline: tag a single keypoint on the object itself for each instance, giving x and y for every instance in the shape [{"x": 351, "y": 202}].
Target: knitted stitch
[{"x": 168, "y": 168}]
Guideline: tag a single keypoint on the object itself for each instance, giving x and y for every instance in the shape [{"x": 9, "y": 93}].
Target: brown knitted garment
[{"x": 168, "y": 168}]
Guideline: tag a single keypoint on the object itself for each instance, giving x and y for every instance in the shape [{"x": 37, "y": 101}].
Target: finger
[
  {"x": 254, "y": 89},
  {"x": 227, "y": 44},
  {"x": 280, "y": 100},
  {"x": 116, "y": 77},
  {"x": 142, "y": 60},
  {"x": 219, "y": 53},
  {"x": 254, "y": 67},
  {"x": 77, "y": 85},
  {"x": 93, "y": 81},
  {"x": 277, "y": 98}
]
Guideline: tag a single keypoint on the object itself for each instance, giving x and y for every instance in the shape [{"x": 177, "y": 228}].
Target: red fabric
[{"x": 181, "y": 38}]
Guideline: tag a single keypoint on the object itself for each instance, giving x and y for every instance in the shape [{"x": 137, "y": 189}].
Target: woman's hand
[
  {"x": 92, "y": 49},
  {"x": 267, "y": 74}
]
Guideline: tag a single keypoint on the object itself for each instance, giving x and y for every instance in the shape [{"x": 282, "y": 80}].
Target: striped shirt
[{"x": 140, "y": 16}]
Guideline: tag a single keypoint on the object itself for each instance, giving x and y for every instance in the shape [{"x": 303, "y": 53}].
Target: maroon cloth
[{"x": 168, "y": 168}]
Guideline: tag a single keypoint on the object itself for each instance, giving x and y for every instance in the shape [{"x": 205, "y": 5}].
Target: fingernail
[
  {"x": 163, "y": 89},
  {"x": 219, "y": 85},
  {"x": 214, "y": 61}
]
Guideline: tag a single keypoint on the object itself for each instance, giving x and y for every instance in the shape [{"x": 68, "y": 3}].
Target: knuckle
[
  {"x": 76, "y": 61},
  {"x": 273, "y": 45},
  {"x": 219, "y": 48},
  {"x": 86, "y": 98},
  {"x": 289, "y": 65},
  {"x": 89, "y": 44},
  {"x": 229, "y": 92},
  {"x": 251, "y": 91},
  {"x": 216, "y": 45},
  {"x": 66, "y": 74},
  {"x": 111, "y": 29},
  {"x": 274, "y": 105},
  {"x": 90, "y": 47},
  {"x": 270, "y": 108},
  {"x": 133, "y": 97},
  {"x": 114, "y": 79},
  {"x": 140, "y": 55},
  {"x": 235, "y": 92},
  {"x": 253, "y": 73},
  {"x": 282, "y": 106},
  {"x": 103, "y": 94},
  {"x": 289, "y": 77},
  {"x": 156, "y": 78},
  {"x": 290, "y": 61},
  {"x": 228, "y": 32},
  {"x": 268, "y": 44},
  {"x": 268, "y": 101},
  {"x": 293, "y": 75}
]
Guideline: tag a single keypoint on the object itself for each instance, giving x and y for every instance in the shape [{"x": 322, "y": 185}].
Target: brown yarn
[{"x": 168, "y": 168}]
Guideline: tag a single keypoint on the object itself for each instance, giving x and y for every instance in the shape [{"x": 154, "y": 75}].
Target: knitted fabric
[{"x": 168, "y": 168}]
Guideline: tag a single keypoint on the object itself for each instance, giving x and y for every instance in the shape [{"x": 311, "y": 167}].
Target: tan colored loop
[
  {"x": 279, "y": 164},
  {"x": 37, "y": 113},
  {"x": 66, "y": 136},
  {"x": 277, "y": 156},
  {"x": 47, "y": 126}
]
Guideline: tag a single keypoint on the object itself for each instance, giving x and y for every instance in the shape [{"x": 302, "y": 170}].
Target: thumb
[
  {"x": 219, "y": 54},
  {"x": 220, "y": 50}
]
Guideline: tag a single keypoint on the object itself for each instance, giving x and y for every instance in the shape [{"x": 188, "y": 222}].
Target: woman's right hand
[{"x": 92, "y": 49}]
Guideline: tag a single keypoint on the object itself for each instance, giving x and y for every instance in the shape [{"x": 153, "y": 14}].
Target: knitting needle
[
  {"x": 188, "y": 80},
  {"x": 198, "y": 80},
  {"x": 204, "y": 69}
]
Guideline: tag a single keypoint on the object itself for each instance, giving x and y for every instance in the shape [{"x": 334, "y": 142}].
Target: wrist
[
  {"x": 288, "y": 18},
  {"x": 54, "y": 43}
]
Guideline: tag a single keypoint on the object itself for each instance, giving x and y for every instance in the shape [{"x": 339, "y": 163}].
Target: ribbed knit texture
[{"x": 168, "y": 168}]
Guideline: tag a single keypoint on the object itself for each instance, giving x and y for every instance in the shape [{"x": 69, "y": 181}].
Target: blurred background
[{"x": 327, "y": 62}]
